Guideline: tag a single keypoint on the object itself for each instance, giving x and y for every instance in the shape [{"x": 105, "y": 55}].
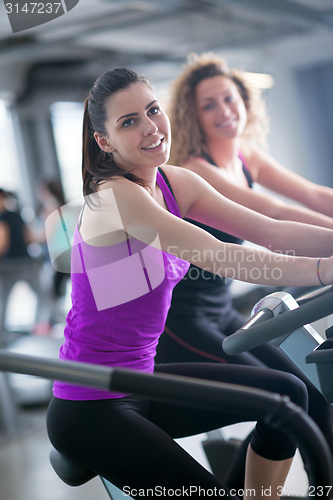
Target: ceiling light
[{"x": 261, "y": 80}]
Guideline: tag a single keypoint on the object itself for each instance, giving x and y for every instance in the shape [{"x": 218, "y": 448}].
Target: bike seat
[{"x": 70, "y": 472}]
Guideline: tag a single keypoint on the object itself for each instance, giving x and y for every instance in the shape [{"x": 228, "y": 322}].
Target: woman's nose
[
  {"x": 224, "y": 109},
  {"x": 149, "y": 127}
]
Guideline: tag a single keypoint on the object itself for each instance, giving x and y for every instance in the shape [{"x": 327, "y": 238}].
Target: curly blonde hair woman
[
  {"x": 188, "y": 139},
  {"x": 218, "y": 119},
  {"x": 219, "y": 125}
]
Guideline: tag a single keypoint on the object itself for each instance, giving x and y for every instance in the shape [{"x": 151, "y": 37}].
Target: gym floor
[{"x": 25, "y": 470}]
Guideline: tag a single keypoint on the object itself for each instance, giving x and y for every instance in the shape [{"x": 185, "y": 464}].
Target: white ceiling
[{"x": 142, "y": 32}]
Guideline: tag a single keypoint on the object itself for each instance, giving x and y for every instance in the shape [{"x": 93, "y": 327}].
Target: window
[
  {"x": 67, "y": 118},
  {"x": 10, "y": 176}
]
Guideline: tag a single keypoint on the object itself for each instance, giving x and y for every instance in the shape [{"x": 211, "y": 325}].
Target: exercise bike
[
  {"x": 276, "y": 409},
  {"x": 300, "y": 341},
  {"x": 280, "y": 319}
]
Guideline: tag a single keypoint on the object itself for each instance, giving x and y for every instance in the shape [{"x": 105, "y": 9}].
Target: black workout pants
[{"x": 130, "y": 441}]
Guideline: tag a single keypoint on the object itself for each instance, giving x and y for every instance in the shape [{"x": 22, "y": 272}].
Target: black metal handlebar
[
  {"x": 320, "y": 292},
  {"x": 264, "y": 327}
]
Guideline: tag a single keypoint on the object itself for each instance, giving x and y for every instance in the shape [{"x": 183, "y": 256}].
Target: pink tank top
[{"x": 121, "y": 295}]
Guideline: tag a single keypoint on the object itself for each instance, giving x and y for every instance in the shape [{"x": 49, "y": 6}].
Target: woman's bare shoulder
[
  {"x": 184, "y": 182},
  {"x": 121, "y": 188},
  {"x": 194, "y": 163},
  {"x": 177, "y": 174}
]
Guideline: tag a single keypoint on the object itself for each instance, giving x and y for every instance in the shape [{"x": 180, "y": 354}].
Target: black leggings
[{"x": 130, "y": 441}]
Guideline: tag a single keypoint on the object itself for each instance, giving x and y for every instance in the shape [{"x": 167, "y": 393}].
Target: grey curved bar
[{"x": 256, "y": 332}]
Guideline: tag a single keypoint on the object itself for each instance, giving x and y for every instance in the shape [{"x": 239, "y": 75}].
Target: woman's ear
[{"x": 104, "y": 143}]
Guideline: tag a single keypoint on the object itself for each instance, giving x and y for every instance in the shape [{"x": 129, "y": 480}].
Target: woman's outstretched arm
[
  {"x": 266, "y": 204},
  {"x": 199, "y": 201},
  {"x": 139, "y": 210},
  {"x": 268, "y": 172}
]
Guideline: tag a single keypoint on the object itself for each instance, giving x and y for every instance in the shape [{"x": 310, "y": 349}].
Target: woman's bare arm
[
  {"x": 265, "y": 204},
  {"x": 138, "y": 209},
  {"x": 201, "y": 202},
  {"x": 268, "y": 172}
]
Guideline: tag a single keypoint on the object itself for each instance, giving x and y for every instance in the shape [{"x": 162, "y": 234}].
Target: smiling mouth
[
  {"x": 155, "y": 145},
  {"x": 227, "y": 123}
]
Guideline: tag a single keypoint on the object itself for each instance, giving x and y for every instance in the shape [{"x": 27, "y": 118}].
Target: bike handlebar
[{"x": 264, "y": 327}]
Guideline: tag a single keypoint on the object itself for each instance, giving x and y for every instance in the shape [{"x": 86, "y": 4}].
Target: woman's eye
[
  {"x": 208, "y": 106},
  {"x": 128, "y": 122},
  {"x": 154, "y": 110},
  {"x": 230, "y": 98}
]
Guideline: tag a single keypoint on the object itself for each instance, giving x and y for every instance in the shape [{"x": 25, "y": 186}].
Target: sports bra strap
[{"x": 166, "y": 180}]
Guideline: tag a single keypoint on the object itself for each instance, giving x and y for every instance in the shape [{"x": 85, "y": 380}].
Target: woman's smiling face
[
  {"x": 137, "y": 129},
  {"x": 220, "y": 108}
]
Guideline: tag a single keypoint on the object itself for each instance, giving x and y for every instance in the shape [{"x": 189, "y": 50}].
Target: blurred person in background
[
  {"x": 14, "y": 234},
  {"x": 15, "y": 263},
  {"x": 51, "y": 198},
  {"x": 219, "y": 126}
]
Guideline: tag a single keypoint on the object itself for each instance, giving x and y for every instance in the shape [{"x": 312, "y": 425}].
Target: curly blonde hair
[{"x": 187, "y": 139}]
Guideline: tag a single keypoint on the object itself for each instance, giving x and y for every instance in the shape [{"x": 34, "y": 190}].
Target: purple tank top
[{"x": 121, "y": 295}]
